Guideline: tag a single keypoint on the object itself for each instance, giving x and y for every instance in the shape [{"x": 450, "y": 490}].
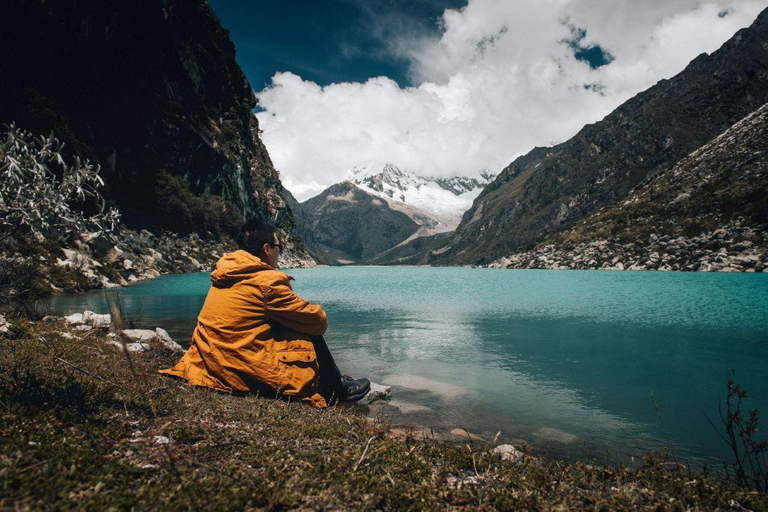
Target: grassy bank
[{"x": 80, "y": 430}]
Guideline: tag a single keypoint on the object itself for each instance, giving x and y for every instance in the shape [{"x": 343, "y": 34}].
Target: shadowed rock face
[
  {"x": 150, "y": 90},
  {"x": 350, "y": 224},
  {"x": 549, "y": 189},
  {"x": 707, "y": 213}
]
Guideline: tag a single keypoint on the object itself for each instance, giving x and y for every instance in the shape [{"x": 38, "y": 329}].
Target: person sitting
[{"x": 255, "y": 335}]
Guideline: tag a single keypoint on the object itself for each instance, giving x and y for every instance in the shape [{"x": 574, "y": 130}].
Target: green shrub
[{"x": 42, "y": 195}]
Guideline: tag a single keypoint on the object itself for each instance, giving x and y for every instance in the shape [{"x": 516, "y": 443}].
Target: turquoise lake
[{"x": 563, "y": 360}]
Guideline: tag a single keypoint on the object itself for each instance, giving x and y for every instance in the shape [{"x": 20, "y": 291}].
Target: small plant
[
  {"x": 40, "y": 193},
  {"x": 750, "y": 466}
]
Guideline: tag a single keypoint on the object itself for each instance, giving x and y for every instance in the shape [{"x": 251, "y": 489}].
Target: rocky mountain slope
[
  {"x": 707, "y": 213},
  {"x": 549, "y": 189},
  {"x": 151, "y": 91},
  {"x": 351, "y": 225},
  {"x": 384, "y": 215}
]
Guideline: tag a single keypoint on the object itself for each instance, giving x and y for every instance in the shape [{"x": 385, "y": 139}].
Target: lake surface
[{"x": 563, "y": 360}]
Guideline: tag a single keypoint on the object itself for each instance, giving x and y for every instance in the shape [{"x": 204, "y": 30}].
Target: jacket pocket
[
  {"x": 297, "y": 356},
  {"x": 297, "y": 372}
]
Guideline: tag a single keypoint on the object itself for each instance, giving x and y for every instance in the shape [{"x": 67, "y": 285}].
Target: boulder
[
  {"x": 508, "y": 452},
  {"x": 139, "y": 335},
  {"x": 96, "y": 320},
  {"x": 165, "y": 339},
  {"x": 377, "y": 392},
  {"x": 143, "y": 336},
  {"x": 4, "y": 325},
  {"x": 113, "y": 254},
  {"x": 74, "y": 319},
  {"x": 131, "y": 347}
]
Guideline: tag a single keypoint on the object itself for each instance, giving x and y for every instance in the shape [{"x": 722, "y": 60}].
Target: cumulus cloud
[{"x": 501, "y": 78}]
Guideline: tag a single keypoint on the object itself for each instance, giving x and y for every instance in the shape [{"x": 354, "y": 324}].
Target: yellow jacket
[{"x": 252, "y": 332}]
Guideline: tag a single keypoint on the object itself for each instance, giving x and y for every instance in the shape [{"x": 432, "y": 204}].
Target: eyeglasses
[{"x": 280, "y": 247}]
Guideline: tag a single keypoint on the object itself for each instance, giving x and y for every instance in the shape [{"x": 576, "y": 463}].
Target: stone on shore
[
  {"x": 130, "y": 346},
  {"x": 507, "y": 452},
  {"x": 74, "y": 319},
  {"x": 165, "y": 339},
  {"x": 88, "y": 318},
  {"x": 137, "y": 340},
  {"x": 96, "y": 320},
  {"x": 377, "y": 392}
]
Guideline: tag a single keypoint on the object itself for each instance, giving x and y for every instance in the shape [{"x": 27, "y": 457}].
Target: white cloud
[{"x": 498, "y": 82}]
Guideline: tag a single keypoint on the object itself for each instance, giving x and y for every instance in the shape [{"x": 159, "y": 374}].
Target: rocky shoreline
[
  {"x": 98, "y": 260},
  {"x": 732, "y": 248}
]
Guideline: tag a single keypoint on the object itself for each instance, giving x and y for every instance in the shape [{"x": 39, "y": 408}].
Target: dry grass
[{"x": 79, "y": 431}]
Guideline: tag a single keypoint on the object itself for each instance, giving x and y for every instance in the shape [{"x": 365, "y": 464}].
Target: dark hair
[{"x": 254, "y": 234}]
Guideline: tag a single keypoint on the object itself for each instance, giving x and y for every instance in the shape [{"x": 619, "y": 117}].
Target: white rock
[
  {"x": 83, "y": 327},
  {"x": 150, "y": 274},
  {"x": 164, "y": 338},
  {"x": 377, "y": 392},
  {"x": 4, "y": 325},
  {"x": 508, "y": 452},
  {"x": 74, "y": 319},
  {"x": 96, "y": 320},
  {"x": 67, "y": 336},
  {"x": 132, "y": 347},
  {"x": 161, "y": 440},
  {"x": 139, "y": 335},
  {"x": 127, "y": 264},
  {"x": 106, "y": 283},
  {"x": 155, "y": 255},
  {"x": 113, "y": 254}
]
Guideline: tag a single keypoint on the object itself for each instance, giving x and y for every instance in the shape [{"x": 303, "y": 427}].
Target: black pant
[{"x": 330, "y": 376}]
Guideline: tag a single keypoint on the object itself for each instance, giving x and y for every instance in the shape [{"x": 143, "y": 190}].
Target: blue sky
[
  {"x": 325, "y": 41},
  {"x": 453, "y": 87}
]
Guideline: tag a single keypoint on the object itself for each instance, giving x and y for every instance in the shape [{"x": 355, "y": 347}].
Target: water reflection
[{"x": 565, "y": 361}]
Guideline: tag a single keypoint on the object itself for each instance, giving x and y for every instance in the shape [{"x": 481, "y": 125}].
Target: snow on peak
[{"x": 443, "y": 199}]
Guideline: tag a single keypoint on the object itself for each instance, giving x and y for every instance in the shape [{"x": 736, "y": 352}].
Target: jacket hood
[{"x": 236, "y": 266}]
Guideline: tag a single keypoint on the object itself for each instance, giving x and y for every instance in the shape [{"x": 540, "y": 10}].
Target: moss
[{"x": 79, "y": 430}]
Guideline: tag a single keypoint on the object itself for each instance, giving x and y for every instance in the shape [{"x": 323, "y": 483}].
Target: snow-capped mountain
[{"x": 436, "y": 204}]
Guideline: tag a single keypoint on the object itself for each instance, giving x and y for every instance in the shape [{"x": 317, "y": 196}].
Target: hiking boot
[{"x": 353, "y": 390}]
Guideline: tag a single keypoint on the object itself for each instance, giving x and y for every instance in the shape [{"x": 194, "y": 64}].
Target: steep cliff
[
  {"x": 150, "y": 90},
  {"x": 549, "y": 189}
]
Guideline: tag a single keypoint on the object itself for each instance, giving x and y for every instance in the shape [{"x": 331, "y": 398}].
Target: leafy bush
[
  {"x": 41, "y": 194},
  {"x": 182, "y": 211}
]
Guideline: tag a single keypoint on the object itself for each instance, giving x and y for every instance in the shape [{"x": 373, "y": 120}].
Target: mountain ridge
[
  {"x": 707, "y": 213},
  {"x": 329, "y": 223}
]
